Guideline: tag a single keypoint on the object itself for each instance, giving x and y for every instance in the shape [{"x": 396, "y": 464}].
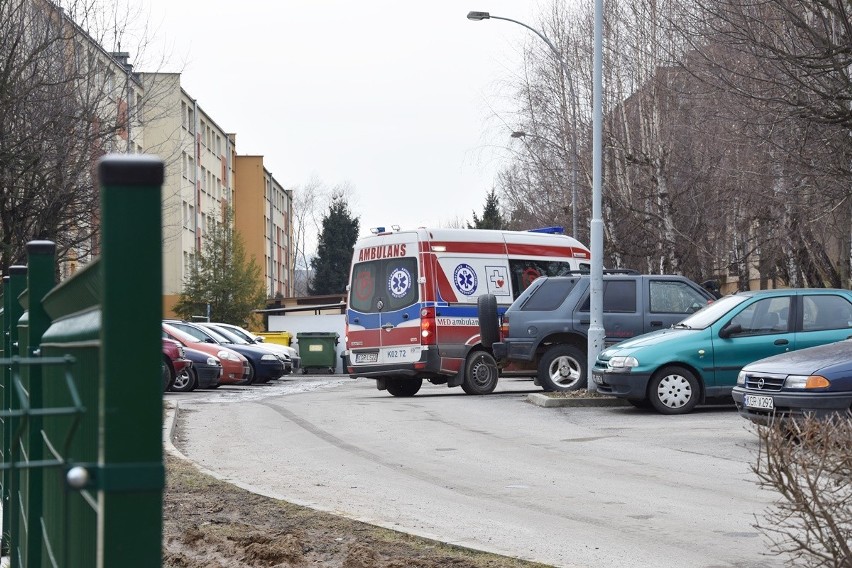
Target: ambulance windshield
[{"x": 383, "y": 285}]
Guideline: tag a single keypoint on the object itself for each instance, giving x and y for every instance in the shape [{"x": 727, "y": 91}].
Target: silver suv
[{"x": 544, "y": 332}]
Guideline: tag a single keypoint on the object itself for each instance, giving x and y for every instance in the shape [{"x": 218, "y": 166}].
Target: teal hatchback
[{"x": 698, "y": 359}]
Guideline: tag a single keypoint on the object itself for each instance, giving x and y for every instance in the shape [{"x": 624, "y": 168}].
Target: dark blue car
[{"x": 816, "y": 381}]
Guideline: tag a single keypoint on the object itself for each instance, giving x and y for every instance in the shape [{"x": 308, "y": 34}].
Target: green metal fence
[{"x": 82, "y": 462}]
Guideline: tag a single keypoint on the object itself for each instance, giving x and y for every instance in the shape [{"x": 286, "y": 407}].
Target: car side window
[
  {"x": 765, "y": 316},
  {"x": 549, "y": 295},
  {"x": 619, "y": 297},
  {"x": 674, "y": 297},
  {"x": 825, "y": 311}
]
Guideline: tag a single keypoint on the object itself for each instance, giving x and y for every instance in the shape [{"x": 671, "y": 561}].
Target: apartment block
[
  {"x": 205, "y": 176},
  {"x": 260, "y": 196},
  {"x": 199, "y": 182}
]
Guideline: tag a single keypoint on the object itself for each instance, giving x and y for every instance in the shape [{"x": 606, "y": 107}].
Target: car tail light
[
  {"x": 427, "y": 327},
  {"x": 504, "y": 327}
]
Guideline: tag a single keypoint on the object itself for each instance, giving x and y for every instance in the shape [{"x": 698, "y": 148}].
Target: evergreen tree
[
  {"x": 491, "y": 217},
  {"x": 223, "y": 277},
  {"x": 334, "y": 250}
]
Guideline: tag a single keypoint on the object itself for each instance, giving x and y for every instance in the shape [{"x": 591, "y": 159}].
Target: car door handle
[
  {"x": 388, "y": 326},
  {"x": 656, "y": 324},
  {"x": 781, "y": 342}
]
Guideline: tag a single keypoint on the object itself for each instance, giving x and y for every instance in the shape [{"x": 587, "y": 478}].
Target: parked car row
[
  {"x": 206, "y": 355},
  {"x": 783, "y": 352}
]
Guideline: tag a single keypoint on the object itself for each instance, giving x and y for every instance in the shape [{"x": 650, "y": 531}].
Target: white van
[{"x": 412, "y": 300}]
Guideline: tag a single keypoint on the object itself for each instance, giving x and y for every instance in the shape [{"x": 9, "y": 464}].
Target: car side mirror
[
  {"x": 258, "y": 339},
  {"x": 694, "y": 308},
  {"x": 730, "y": 330}
]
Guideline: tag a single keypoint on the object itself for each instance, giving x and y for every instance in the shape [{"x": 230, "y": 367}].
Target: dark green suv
[{"x": 544, "y": 332}]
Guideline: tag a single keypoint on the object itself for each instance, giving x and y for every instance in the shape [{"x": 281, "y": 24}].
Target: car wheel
[
  {"x": 404, "y": 387},
  {"x": 489, "y": 329},
  {"x": 673, "y": 390},
  {"x": 252, "y": 374},
  {"x": 480, "y": 373},
  {"x": 563, "y": 368},
  {"x": 166, "y": 374},
  {"x": 186, "y": 381}
]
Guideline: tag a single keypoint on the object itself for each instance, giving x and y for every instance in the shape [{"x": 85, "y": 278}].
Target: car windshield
[
  {"x": 711, "y": 313},
  {"x": 230, "y": 336},
  {"x": 180, "y": 335},
  {"x": 233, "y": 336},
  {"x": 238, "y": 332}
]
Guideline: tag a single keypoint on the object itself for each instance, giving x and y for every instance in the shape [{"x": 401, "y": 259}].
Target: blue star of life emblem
[
  {"x": 399, "y": 282},
  {"x": 465, "y": 279}
]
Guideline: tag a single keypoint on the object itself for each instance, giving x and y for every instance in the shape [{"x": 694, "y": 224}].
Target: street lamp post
[
  {"x": 478, "y": 16},
  {"x": 596, "y": 329}
]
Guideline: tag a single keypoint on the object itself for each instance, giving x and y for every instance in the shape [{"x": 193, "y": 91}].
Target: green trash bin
[{"x": 317, "y": 350}]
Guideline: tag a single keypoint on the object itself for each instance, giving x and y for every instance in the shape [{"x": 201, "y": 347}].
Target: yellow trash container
[{"x": 279, "y": 337}]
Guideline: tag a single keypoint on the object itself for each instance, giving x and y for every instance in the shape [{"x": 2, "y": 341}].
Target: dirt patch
[{"x": 211, "y": 524}]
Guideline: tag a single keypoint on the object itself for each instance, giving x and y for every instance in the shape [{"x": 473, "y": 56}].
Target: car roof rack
[{"x": 606, "y": 271}]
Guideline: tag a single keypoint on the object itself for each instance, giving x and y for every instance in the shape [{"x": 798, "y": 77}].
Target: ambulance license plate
[
  {"x": 762, "y": 402},
  {"x": 367, "y": 357}
]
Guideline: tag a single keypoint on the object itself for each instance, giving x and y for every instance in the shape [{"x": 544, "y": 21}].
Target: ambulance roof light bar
[
  {"x": 549, "y": 230},
  {"x": 380, "y": 230}
]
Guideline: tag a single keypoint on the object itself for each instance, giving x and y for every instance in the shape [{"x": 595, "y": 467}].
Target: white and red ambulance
[{"x": 412, "y": 300}]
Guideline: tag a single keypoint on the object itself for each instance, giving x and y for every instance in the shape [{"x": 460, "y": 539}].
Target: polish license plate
[
  {"x": 762, "y": 402},
  {"x": 366, "y": 357}
]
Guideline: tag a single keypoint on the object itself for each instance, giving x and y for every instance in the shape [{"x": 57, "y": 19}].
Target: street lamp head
[
  {"x": 476, "y": 16},
  {"x": 518, "y": 134}
]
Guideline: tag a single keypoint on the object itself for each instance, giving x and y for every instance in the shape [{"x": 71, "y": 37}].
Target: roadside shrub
[{"x": 808, "y": 463}]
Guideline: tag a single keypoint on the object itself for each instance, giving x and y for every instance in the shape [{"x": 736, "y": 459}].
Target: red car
[
  {"x": 174, "y": 362},
  {"x": 235, "y": 367}
]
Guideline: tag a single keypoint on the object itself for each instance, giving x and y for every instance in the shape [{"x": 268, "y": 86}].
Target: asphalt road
[{"x": 589, "y": 487}]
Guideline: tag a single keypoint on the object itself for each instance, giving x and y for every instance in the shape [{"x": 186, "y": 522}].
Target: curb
[{"x": 553, "y": 402}]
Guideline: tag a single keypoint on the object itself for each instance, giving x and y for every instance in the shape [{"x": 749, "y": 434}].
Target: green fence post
[
  {"x": 131, "y": 472},
  {"x": 12, "y": 312},
  {"x": 41, "y": 262}
]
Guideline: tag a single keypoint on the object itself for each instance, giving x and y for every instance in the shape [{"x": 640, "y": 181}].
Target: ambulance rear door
[{"x": 384, "y": 304}]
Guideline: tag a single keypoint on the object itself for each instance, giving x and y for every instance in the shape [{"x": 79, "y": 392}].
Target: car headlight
[
  {"x": 622, "y": 363},
  {"x": 181, "y": 352},
  {"x": 268, "y": 357},
  {"x": 226, "y": 355},
  {"x": 741, "y": 378},
  {"x": 806, "y": 382},
  {"x": 212, "y": 361}
]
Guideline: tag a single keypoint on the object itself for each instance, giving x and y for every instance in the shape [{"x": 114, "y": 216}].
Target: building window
[{"x": 183, "y": 114}]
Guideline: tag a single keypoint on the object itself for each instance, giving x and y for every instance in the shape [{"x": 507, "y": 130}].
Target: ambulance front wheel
[
  {"x": 404, "y": 387},
  {"x": 480, "y": 373}
]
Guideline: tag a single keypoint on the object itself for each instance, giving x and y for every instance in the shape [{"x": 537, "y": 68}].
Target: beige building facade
[
  {"x": 199, "y": 182},
  {"x": 205, "y": 176}
]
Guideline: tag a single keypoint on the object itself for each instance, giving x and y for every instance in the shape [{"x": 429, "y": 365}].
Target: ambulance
[{"x": 412, "y": 300}]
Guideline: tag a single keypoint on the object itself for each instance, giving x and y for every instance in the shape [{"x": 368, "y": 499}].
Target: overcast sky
[{"x": 396, "y": 98}]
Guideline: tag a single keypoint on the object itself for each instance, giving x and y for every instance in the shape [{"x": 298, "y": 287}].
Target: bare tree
[
  {"x": 310, "y": 202},
  {"x": 64, "y": 101},
  {"x": 807, "y": 463}
]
